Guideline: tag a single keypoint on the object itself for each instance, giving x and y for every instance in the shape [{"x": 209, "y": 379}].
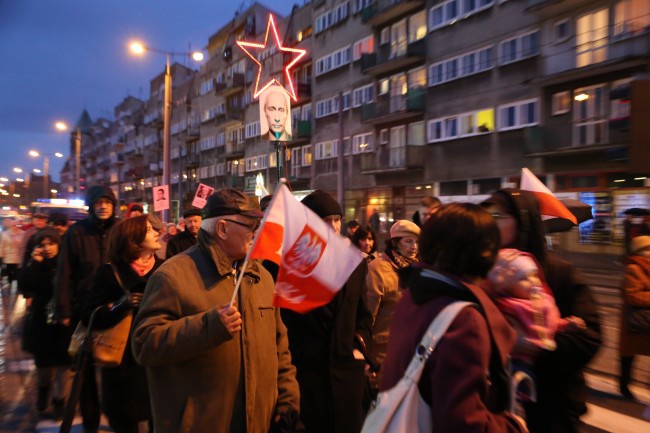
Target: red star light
[{"x": 300, "y": 53}]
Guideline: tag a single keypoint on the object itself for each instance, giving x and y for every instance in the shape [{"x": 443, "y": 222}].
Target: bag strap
[
  {"x": 432, "y": 336},
  {"x": 117, "y": 277}
]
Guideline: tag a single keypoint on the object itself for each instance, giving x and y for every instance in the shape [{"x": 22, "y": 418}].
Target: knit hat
[
  {"x": 510, "y": 268},
  {"x": 352, "y": 224},
  {"x": 322, "y": 204},
  {"x": 403, "y": 228},
  {"x": 639, "y": 243},
  {"x": 229, "y": 201},
  {"x": 47, "y": 232}
]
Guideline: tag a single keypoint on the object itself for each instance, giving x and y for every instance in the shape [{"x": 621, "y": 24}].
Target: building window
[
  {"x": 398, "y": 39},
  {"x": 462, "y": 66},
  {"x": 417, "y": 26},
  {"x": 362, "y": 143},
  {"x": 383, "y": 136},
  {"x": 384, "y": 36},
  {"x": 631, "y": 17},
  {"x": 362, "y": 95},
  {"x": 561, "y": 103},
  {"x": 518, "y": 114},
  {"x": 363, "y": 46},
  {"x": 333, "y": 61},
  {"x": 306, "y": 155},
  {"x": 519, "y": 48},
  {"x": 591, "y": 38},
  {"x": 561, "y": 31},
  {"x": 590, "y": 115},
  {"x": 416, "y": 135},
  {"x": 397, "y": 147}
]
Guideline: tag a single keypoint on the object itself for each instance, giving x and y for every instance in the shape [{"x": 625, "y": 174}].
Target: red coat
[{"x": 455, "y": 381}]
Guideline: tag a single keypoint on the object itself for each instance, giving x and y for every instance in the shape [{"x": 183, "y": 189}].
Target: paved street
[{"x": 607, "y": 411}]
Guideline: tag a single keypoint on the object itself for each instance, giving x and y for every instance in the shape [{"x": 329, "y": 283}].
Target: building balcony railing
[
  {"x": 389, "y": 108},
  {"x": 392, "y": 159},
  {"x": 193, "y": 132},
  {"x": 596, "y": 137},
  {"x": 229, "y": 116},
  {"x": 192, "y": 162},
  {"x": 234, "y": 150},
  {"x": 236, "y": 182},
  {"x": 233, "y": 84},
  {"x": 384, "y": 11},
  {"x": 391, "y": 58},
  {"x": 535, "y": 5},
  {"x": 303, "y": 129},
  {"x": 117, "y": 159}
]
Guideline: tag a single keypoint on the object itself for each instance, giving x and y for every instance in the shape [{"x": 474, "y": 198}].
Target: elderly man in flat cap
[
  {"x": 211, "y": 366},
  {"x": 187, "y": 237}
]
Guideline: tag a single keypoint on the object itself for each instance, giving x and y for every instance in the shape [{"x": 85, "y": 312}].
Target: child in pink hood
[{"x": 517, "y": 285}]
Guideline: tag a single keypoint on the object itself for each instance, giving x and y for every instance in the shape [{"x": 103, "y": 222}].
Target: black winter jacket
[
  {"x": 179, "y": 243},
  {"x": 83, "y": 250}
]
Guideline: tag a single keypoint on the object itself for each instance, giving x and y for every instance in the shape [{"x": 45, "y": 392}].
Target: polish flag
[
  {"x": 549, "y": 205},
  {"x": 315, "y": 261}
]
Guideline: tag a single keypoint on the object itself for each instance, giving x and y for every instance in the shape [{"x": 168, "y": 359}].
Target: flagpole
[{"x": 252, "y": 248}]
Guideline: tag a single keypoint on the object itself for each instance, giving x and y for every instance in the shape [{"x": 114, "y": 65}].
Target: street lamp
[
  {"x": 139, "y": 49},
  {"x": 46, "y": 167}
]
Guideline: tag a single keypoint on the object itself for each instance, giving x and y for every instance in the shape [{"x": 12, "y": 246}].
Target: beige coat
[
  {"x": 383, "y": 295},
  {"x": 193, "y": 364},
  {"x": 636, "y": 291}
]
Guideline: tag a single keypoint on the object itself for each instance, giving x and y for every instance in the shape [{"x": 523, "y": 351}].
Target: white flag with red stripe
[
  {"x": 549, "y": 205},
  {"x": 315, "y": 261}
]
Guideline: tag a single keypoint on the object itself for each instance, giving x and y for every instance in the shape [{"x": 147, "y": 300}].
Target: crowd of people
[{"x": 196, "y": 361}]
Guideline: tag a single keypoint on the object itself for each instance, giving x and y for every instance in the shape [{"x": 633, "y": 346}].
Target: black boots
[{"x": 626, "y": 375}]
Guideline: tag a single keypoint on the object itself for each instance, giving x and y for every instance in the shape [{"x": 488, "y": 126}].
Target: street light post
[
  {"x": 139, "y": 48},
  {"x": 46, "y": 169}
]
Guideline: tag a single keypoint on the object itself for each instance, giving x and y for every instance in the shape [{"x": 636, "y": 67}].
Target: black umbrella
[
  {"x": 582, "y": 211},
  {"x": 637, "y": 211}
]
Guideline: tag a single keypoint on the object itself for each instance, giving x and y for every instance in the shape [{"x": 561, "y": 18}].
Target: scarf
[
  {"x": 143, "y": 269},
  {"x": 400, "y": 260}
]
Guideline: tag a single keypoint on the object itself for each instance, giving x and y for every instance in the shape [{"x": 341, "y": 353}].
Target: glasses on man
[{"x": 251, "y": 227}]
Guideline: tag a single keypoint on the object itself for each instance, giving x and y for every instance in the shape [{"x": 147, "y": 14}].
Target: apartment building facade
[{"x": 401, "y": 99}]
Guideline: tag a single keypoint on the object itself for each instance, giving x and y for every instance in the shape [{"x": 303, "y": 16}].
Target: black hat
[
  {"x": 352, "y": 224},
  {"x": 39, "y": 215},
  {"x": 322, "y": 204},
  {"x": 265, "y": 201},
  {"x": 134, "y": 207},
  {"x": 229, "y": 201},
  {"x": 191, "y": 212},
  {"x": 47, "y": 232},
  {"x": 96, "y": 192},
  {"x": 58, "y": 219}
]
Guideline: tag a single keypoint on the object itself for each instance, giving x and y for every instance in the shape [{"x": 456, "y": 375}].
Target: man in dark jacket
[
  {"x": 327, "y": 343},
  {"x": 186, "y": 238},
  {"x": 83, "y": 250}
]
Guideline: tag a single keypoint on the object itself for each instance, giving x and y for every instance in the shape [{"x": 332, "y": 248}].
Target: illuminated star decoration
[{"x": 300, "y": 53}]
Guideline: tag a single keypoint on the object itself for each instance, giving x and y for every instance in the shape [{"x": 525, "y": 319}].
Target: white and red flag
[
  {"x": 549, "y": 205},
  {"x": 315, "y": 261}
]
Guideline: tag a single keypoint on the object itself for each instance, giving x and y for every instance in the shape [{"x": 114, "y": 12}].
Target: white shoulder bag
[{"x": 401, "y": 408}]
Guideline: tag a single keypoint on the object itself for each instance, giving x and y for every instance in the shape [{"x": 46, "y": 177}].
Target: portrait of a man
[
  {"x": 275, "y": 114},
  {"x": 160, "y": 194}
]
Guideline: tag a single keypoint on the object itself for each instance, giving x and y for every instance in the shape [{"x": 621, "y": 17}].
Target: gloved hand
[{"x": 135, "y": 299}]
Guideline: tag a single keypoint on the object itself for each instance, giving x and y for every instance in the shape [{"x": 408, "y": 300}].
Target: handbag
[
  {"x": 401, "y": 408},
  {"x": 107, "y": 345},
  {"x": 638, "y": 319}
]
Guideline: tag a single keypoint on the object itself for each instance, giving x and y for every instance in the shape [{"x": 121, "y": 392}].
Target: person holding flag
[
  {"x": 215, "y": 364},
  {"x": 321, "y": 286}
]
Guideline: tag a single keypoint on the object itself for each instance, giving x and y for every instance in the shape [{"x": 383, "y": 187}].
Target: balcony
[
  {"x": 302, "y": 130},
  {"x": 384, "y": 11},
  {"x": 543, "y": 141},
  {"x": 229, "y": 116},
  {"x": 387, "y": 159},
  {"x": 391, "y": 58},
  {"x": 192, "y": 133},
  {"x": 192, "y": 162},
  {"x": 117, "y": 160},
  {"x": 389, "y": 109},
  {"x": 536, "y": 5},
  {"x": 234, "y": 150},
  {"x": 233, "y": 84}
]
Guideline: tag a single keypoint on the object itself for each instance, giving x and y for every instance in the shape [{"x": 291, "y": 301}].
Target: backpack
[{"x": 401, "y": 408}]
